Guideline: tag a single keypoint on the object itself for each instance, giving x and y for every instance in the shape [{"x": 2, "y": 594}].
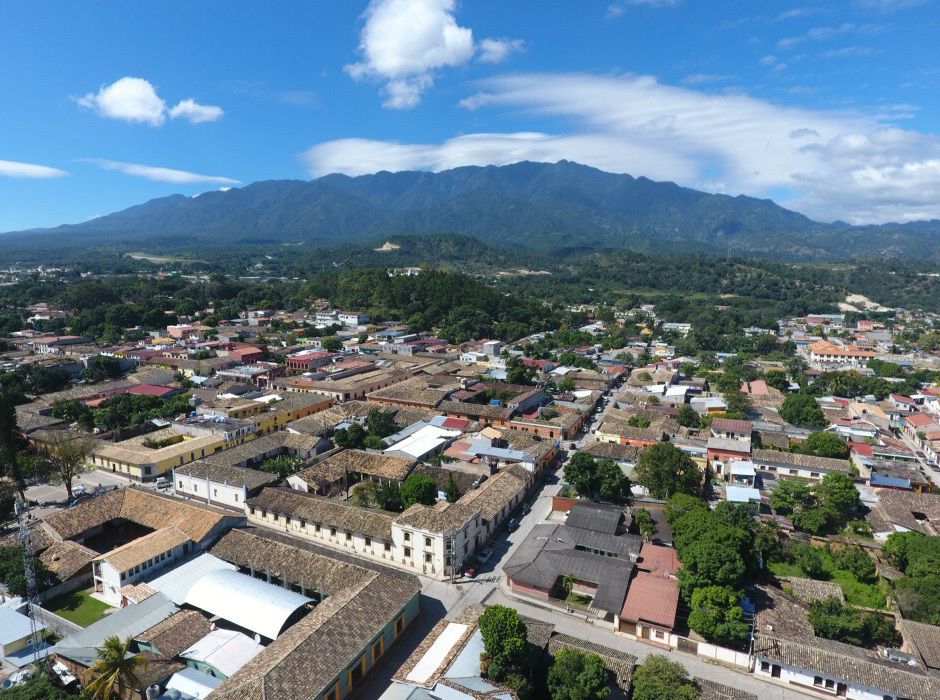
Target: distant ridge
[{"x": 527, "y": 205}]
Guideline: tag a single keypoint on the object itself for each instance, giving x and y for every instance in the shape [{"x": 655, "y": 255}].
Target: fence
[{"x": 53, "y": 623}]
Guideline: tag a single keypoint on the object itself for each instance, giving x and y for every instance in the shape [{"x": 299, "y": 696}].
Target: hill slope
[{"x": 525, "y": 205}]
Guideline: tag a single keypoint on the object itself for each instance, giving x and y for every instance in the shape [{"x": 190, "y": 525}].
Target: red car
[{"x": 470, "y": 572}]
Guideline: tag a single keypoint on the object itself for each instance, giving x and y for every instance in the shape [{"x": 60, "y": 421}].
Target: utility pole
[{"x": 32, "y": 603}]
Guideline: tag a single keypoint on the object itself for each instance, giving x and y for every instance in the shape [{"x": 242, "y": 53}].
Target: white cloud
[
  {"x": 797, "y": 12},
  {"x": 823, "y": 33},
  {"x": 195, "y": 112},
  {"x": 616, "y": 9},
  {"x": 404, "y": 43},
  {"x": 12, "y": 168},
  {"x": 136, "y": 100},
  {"x": 476, "y": 101},
  {"x": 890, "y": 5},
  {"x": 705, "y": 78},
  {"x": 498, "y": 50},
  {"x": 157, "y": 174},
  {"x": 768, "y": 60},
  {"x": 848, "y": 165},
  {"x": 848, "y": 51},
  {"x": 129, "y": 99}
]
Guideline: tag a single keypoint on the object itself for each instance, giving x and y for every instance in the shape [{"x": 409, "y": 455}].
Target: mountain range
[{"x": 526, "y": 205}]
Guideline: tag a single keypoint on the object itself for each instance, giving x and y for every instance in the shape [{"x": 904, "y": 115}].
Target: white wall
[{"x": 202, "y": 488}]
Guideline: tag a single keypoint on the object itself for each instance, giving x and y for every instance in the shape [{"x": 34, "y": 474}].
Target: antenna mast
[{"x": 32, "y": 602}]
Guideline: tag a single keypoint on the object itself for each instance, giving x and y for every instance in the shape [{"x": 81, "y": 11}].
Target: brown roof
[
  {"x": 612, "y": 450},
  {"x": 232, "y": 476},
  {"x": 138, "y": 551},
  {"x": 652, "y": 599},
  {"x": 809, "y": 591},
  {"x": 658, "y": 559},
  {"x": 463, "y": 408},
  {"x": 925, "y": 639},
  {"x": 176, "y": 633},
  {"x": 300, "y": 663},
  {"x": 794, "y": 459},
  {"x": 898, "y": 508},
  {"x": 316, "y": 509},
  {"x": 65, "y": 559},
  {"x": 731, "y": 425},
  {"x": 374, "y": 464},
  {"x": 142, "y": 506}
]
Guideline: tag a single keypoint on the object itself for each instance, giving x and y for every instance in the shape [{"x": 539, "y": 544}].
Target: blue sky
[{"x": 829, "y": 108}]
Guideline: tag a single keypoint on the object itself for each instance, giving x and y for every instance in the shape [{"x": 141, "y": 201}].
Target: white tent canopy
[{"x": 245, "y": 601}]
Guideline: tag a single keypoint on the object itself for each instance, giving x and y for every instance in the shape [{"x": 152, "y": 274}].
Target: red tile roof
[
  {"x": 652, "y": 599},
  {"x": 656, "y": 558},
  {"x": 731, "y": 425}
]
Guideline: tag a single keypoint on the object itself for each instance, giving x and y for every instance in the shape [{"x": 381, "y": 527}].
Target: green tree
[
  {"x": 823, "y": 444},
  {"x": 13, "y": 572},
  {"x": 575, "y": 675},
  {"x": 373, "y": 442},
  {"x": 419, "y": 488},
  {"x": 792, "y": 495},
  {"x": 451, "y": 492},
  {"x": 665, "y": 470},
  {"x": 504, "y": 640},
  {"x": 896, "y": 547},
  {"x": 581, "y": 472},
  {"x": 282, "y": 465},
  {"x": 659, "y": 678},
  {"x": 352, "y": 437},
  {"x": 364, "y": 496},
  {"x": 718, "y": 616},
  {"x": 613, "y": 484},
  {"x": 710, "y": 562},
  {"x": 738, "y": 403},
  {"x": 388, "y": 497},
  {"x": 802, "y": 409},
  {"x": 115, "y": 673},
  {"x": 332, "y": 344},
  {"x": 41, "y": 686},
  {"x": 645, "y": 523},
  {"x": 65, "y": 455},
  {"x": 837, "y": 491},
  {"x": 688, "y": 417},
  {"x": 381, "y": 423}
]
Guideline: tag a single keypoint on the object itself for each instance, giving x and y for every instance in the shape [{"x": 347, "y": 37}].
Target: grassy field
[
  {"x": 577, "y": 600},
  {"x": 867, "y": 595},
  {"x": 78, "y": 607}
]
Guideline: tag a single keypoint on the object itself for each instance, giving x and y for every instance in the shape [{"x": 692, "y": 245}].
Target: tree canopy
[
  {"x": 575, "y": 675},
  {"x": 659, "y": 678},
  {"x": 665, "y": 470}
]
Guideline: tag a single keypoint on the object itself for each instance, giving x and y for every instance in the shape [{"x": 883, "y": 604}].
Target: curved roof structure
[{"x": 245, "y": 601}]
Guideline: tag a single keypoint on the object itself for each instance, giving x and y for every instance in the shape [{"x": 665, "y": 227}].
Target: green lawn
[
  {"x": 78, "y": 607},
  {"x": 579, "y": 601},
  {"x": 782, "y": 568},
  {"x": 868, "y": 595}
]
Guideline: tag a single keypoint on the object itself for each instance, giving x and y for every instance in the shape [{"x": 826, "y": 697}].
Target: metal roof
[
  {"x": 595, "y": 516},
  {"x": 245, "y": 601},
  {"x": 224, "y": 650},
  {"x": 176, "y": 583}
]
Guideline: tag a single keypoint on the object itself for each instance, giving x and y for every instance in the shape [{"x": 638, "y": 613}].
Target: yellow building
[{"x": 136, "y": 460}]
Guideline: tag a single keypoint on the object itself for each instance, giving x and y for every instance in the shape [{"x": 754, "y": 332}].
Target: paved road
[{"x": 55, "y": 495}]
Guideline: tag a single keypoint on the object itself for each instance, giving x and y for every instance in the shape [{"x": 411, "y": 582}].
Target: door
[{"x": 775, "y": 671}]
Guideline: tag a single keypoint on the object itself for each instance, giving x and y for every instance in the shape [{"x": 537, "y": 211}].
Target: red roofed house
[
  {"x": 731, "y": 428},
  {"x": 919, "y": 423},
  {"x": 756, "y": 388},
  {"x": 649, "y": 611},
  {"x": 164, "y": 392},
  {"x": 656, "y": 559}
]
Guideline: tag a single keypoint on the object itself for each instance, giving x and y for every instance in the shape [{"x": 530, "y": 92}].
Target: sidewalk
[{"x": 577, "y": 626}]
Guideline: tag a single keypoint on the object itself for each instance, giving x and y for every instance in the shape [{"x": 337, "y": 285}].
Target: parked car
[
  {"x": 485, "y": 554},
  {"x": 470, "y": 572},
  {"x": 526, "y": 509},
  {"x": 163, "y": 483},
  {"x": 512, "y": 525}
]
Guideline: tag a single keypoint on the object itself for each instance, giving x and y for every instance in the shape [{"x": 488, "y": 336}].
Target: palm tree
[
  {"x": 115, "y": 671},
  {"x": 568, "y": 582}
]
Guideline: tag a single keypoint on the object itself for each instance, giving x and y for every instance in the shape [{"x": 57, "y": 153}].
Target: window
[
  {"x": 368, "y": 541},
  {"x": 765, "y": 666},
  {"x": 251, "y": 510},
  {"x": 427, "y": 541},
  {"x": 388, "y": 547},
  {"x": 407, "y": 552},
  {"x": 427, "y": 557},
  {"x": 181, "y": 483},
  {"x": 407, "y": 537},
  {"x": 399, "y": 625},
  {"x": 316, "y": 527},
  {"x": 215, "y": 492},
  {"x": 378, "y": 648},
  {"x": 817, "y": 681},
  {"x": 264, "y": 513},
  {"x": 332, "y": 532},
  {"x": 303, "y": 523},
  {"x": 658, "y": 634}
]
